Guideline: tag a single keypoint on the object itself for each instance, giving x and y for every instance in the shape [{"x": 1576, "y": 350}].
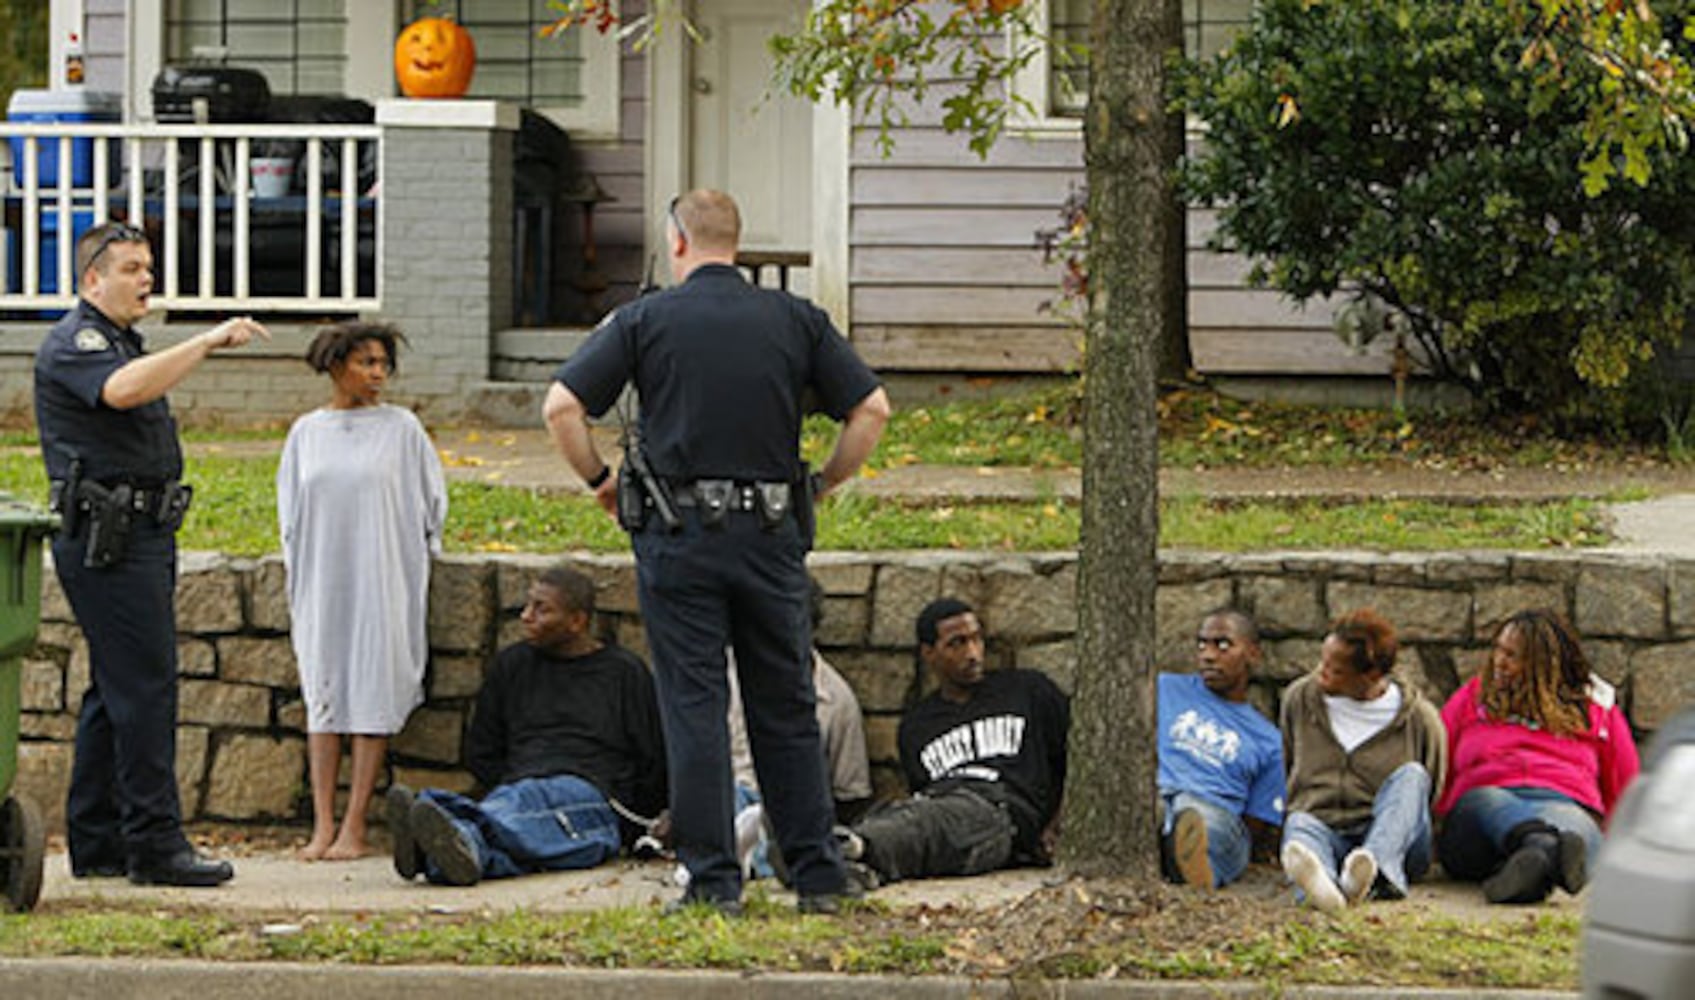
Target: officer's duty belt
[
  {"x": 717, "y": 498},
  {"x": 164, "y": 504}
]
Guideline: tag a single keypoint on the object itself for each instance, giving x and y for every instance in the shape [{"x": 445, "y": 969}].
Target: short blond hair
[{"x": 709, "y": 219}]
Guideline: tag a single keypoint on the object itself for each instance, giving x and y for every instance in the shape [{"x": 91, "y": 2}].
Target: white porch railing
[{"x": 217, "y": 245}]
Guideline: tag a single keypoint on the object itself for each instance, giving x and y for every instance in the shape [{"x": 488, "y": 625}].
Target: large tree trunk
[{"x": 1109, "y": 805}]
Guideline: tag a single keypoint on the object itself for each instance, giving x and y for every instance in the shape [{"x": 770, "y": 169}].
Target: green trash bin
[{"x": 22, "y": 528}]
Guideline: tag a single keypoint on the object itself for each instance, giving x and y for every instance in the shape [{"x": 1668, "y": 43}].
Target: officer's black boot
[{"x": 1529, "y": 872}]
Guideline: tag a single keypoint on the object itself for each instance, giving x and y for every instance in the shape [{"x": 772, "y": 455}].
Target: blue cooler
[{"x": 45, "y": 107}]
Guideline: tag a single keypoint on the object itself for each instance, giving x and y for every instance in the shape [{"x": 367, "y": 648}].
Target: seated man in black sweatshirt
[
  {"x": 565, "y": 727},
  {"x": 984, "y": 756}
]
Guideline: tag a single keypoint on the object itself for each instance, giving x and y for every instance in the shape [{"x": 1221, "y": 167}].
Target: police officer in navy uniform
[
  {"x": 720, "y": 367},
  {"x": 113, "y": 457}
]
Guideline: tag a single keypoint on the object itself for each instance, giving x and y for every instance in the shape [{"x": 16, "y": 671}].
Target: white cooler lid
[{"x": 97, "y": 105}]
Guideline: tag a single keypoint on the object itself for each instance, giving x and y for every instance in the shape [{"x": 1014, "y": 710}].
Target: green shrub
[{"x": 1400, "y": 150}]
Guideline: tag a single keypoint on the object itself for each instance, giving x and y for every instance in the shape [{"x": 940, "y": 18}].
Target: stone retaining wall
[{"x": 241, "y": 747}]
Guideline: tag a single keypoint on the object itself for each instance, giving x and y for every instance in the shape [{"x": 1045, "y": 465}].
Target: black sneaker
[
  {"x": 1527, "y": 877},
  {"x": 441, "y": 842},
  {"x": 397, "y": 809}
]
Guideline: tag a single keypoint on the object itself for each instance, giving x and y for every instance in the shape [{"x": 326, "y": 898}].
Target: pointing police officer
[
  {"x": 115, "y": 463},
  {"x": 720, "y": 367}
]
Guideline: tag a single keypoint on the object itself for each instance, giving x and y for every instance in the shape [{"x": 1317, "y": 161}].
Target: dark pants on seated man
[{"x": 957, "y": 832}]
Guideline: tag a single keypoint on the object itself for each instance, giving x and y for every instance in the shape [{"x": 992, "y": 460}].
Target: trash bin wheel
[{"x": 23, "y": 841}]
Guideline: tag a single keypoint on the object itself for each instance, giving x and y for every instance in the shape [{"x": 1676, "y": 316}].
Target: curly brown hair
[
  {"x": 1370, "y": 639},
  {"x": 1552, "y": 687},
  {"x": 335, "y": 342}
]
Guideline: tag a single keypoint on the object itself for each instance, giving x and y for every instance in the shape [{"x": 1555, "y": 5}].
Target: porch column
[{"x": 447, "y": 240}]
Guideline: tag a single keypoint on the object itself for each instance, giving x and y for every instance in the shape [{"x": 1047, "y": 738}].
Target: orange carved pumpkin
[{"x": 434, "y": 57}]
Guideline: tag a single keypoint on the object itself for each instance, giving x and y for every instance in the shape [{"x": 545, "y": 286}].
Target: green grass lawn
[
  {"x": 235, "y": 512},
  {"x": 1192, "y": 938},
  {"x": 234, "y": 508}
]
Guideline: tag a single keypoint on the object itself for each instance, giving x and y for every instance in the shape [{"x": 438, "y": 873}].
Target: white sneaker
[
  {"x": 1359, "y": 874},
  {"x": 1306, "y": 871},
  {"x": 750, "y": 830}
]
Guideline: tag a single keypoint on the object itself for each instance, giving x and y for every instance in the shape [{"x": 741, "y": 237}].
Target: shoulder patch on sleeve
[{"x": 89, "y": 339}]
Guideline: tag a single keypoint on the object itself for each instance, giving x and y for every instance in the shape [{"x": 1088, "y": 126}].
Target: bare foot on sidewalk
[
  {"x": 315, "y": 849},
  {"x": 347, "y": 849}
]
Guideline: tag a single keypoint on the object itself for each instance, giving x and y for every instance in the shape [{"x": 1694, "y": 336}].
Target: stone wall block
[
  {"x": 1022, "y": 604},
  {"x": 77, "y": 677},
  {"x": 1403, "y": 569},
  {"x": 882, "y": 681},
  {"x": 1495, "y": 603},
  {"x": 196, "y": 658},
  {"x": 57, "y": 635},
  {"x": 1416, "y": 612},
  {"x": 214, "y": 703},
  {"x": 615, "y": 587},
  {"x": 258, "y": 661},
  {"x": 416, "y": 778},
  {"x": 846, "y": 622},
  {"x": 1661, "y": 683},
  {"x": 882, "y": 739},
  {"x": 1189, "y": 567},
  {"x": 1622, "y": 599},
  {"x": 1283, "y": 605},
  {"x": 1610, "y": 658},
  {"x": 267, "y": 595},
  {"x": 1545, "y": 567},
  {"x": 1056, "y": 659},
  {"x": 431, "y": 734},
  {"x": 632, "y": 635},
  {"x": 902, "y": 591},
  {"x": 1467, "y": 567},
  {"x": 461, "y": 604},
  {"x": 291, "y": 715},
  {"x": 44, "y": 772},
  {"x": 513, "y": 575},
  {"x": 43, "y": 686},
  {"x": 456, "y": 676},
  {"x": 842, "y": 574},
  {"x": 209, "y": 600},
  {"x": 1288, "y": 659},
  {"x": 1178, "y": 610},
  {"x": 1680, "y": 600},
  {"x": 254, "y": 776},
  {"x": 1428, "y": 670},
  {"x": 193, "y": 746},
  {"x": 1349, "y": 565},
  {"x": 55, "y": 726},
  {"x": 55, "y": 607}
]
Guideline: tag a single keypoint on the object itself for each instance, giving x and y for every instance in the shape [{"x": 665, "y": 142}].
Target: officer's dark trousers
[
  {"x": 123, "y": 798},
  {"x": 701, "y": 590}
]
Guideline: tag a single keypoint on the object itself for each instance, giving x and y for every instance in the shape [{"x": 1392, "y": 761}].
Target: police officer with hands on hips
[
  {"x": 115, "y": 465},
  {"x": 720, "y": 367}
]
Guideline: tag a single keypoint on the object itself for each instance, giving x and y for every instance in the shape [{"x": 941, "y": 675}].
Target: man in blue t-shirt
[{"x": 1220, "y": 760}]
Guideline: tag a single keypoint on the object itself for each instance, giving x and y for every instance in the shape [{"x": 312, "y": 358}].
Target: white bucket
[{"x": 271, "y": 175}]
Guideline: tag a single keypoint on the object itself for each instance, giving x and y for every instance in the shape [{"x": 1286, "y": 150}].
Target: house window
[
  {"x": 299, "y": 45},
  {"x": 1208, "y": 26},
  {"x": 572, "y": 76}
]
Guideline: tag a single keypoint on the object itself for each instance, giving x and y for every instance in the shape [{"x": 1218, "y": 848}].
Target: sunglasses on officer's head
[
  {"x": 671, "y": 210},
  {"x": 121, "y": 232}
]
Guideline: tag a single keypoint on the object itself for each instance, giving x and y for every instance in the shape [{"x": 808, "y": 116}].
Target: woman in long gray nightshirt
[{"x": 360, "y": 501}]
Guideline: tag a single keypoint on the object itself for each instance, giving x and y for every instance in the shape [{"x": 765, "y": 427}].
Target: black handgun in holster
[
  {"x": 63, "y": 499},
  {"x": 111, "y": 515},
  {"x": 638, "y": 490}
]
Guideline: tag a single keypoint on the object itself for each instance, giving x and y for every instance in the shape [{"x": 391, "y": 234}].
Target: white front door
[{"x": 746, "y": 138}]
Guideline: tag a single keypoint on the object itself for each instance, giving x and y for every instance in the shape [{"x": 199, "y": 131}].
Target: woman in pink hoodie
[{"x": 1540, "y": 752}]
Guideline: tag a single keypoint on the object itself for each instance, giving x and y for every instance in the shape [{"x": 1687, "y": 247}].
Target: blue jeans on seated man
[
  {"x": 1228, "y": 840},
  {"x": 1474, "y": 839},
  {"x": 533, "y": 825},
  {"x": 1398, "y": 834}
]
